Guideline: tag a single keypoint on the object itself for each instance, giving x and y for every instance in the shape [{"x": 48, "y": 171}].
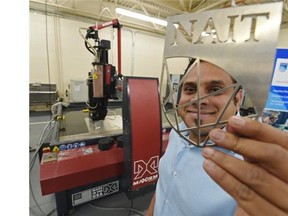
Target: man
[
  {"x": 183, "y": 187},
  {"x": 214, "y": 81}
]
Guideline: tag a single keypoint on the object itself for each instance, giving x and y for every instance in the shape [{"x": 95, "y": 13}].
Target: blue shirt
[{"x": 184, "y": 188}]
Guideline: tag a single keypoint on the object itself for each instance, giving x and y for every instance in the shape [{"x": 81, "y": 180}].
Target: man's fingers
[
  {"x": 250, "y": 128},
  {"x": 249, "y": 181},
  {"x": 253, "y": 176},
  {"x": 250, "y": 201},
  {"x": 240, "y": 212},
  {"x": 270, "y": 156}
]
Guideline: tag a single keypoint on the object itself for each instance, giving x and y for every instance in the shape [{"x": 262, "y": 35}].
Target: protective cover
[{"x": 142, "y": 134}]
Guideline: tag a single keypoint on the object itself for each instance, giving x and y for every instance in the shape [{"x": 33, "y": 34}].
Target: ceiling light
[{"x": 141, "y": 16}]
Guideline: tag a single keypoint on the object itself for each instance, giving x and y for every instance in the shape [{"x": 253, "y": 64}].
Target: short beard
[{"x": 203, "y": 133}]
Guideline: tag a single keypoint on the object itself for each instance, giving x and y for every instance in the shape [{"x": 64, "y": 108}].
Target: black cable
[
  {"x": 132, "y": 203},
  {"x": 117, "y": 209},
  {"x": 88, "y": 48}
]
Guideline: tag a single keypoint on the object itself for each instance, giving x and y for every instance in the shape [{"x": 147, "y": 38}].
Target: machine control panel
[{"x": 95, "y": 193}]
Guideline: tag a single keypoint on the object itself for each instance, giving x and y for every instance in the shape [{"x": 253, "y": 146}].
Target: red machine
[
  {"x": 90, "y": 166},
  {"x": 102, "y": 79}
]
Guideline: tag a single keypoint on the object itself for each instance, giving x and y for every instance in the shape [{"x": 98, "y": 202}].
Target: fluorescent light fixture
[{"x": 141, "y": 16}]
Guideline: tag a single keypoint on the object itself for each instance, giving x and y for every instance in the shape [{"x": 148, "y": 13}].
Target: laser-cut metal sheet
[
  {"x": 242, "y": 40},
  {"x": 249, "y": 62}
]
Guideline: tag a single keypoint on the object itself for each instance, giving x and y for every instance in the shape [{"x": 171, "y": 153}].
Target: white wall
[{"x": 69, "y": 59}]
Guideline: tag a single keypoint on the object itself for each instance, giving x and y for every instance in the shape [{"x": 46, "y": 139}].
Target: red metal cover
[
  {"x": 146, "y": 131},
  {"x": 78, "y": 167}
]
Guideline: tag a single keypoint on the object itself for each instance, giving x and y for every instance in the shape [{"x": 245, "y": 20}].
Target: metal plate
[{"x": 241, "y": 40}]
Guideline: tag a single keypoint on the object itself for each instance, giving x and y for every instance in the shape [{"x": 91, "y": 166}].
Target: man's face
[{"x": 212, "y": 79}]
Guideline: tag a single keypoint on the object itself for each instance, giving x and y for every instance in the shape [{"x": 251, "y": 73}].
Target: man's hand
[{"x": 259, "y": 183}]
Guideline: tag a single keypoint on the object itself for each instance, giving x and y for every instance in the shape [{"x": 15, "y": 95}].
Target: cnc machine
[{"x": 93, "y": 154}]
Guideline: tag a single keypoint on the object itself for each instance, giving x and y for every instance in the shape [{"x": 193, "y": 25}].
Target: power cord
[
  {"x": 132, "y": 204},
  {"x": 56, "y": 110},
  {"x": 42, "y": 138},
  {"x": 117, "y": 209}
]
